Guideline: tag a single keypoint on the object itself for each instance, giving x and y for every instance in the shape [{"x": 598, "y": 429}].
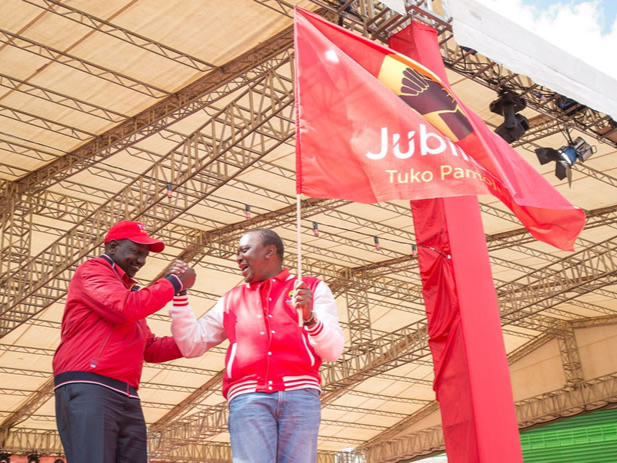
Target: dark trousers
[{"x": 99, "y": 425}]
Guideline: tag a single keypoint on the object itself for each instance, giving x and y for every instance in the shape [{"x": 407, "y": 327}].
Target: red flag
[{"x": 374, "y": 125}]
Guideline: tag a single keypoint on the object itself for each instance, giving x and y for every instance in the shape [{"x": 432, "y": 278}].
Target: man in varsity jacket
[
  {"x": 105, "y": 340},
  {"x": 272, "y": 377}
]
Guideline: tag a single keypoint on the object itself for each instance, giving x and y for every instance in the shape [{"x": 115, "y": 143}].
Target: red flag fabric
[
  {"x": 472, "y": 382},
  {"x": 374, "y": 125}
]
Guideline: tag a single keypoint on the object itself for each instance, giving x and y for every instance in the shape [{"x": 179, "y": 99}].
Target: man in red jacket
[
  {"x": 271, "y": 377},
  {"x": 105, "y": 340}
]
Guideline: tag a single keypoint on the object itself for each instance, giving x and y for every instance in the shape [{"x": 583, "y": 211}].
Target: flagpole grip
[{"x": 299, "y": 251}]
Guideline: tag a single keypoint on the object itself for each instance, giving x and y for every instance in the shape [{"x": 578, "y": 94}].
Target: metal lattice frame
[
  {"x": 571, "y": 400},
  {"x": 259, "y": 118},
  {"x": 259, "y": 68}
]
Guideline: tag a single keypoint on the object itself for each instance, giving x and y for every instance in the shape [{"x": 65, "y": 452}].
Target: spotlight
[
  {"x": 514, "y": 125},
  {"x": 568, "y": 105},
  {"x": 471, "y": 51},
  {"x": 566, "y": 156},
  {"x": 5, "y": 458},
  {"x": 33, "y": 458}
]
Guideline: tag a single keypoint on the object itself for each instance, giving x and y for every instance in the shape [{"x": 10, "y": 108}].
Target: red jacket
[
  {"x": 104, "y": 330},
  {"x": 267, "y": 352}
]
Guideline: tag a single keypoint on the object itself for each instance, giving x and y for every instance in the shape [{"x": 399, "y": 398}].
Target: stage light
[
  {"x": 569, "y": 106},
  {"x": 566, "y": 156},
  {"x": 33, "y": 458},
  {"x": 471, "y": 51},
  {"x": 514, "y": 125},
  {"x": 5, "y": 458}
]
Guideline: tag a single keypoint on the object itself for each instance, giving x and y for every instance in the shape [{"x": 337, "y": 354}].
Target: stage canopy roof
[{"x": 180, "y": 114}]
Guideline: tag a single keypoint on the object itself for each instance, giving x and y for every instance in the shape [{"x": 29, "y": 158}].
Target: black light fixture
[
  {"x": 5, "y": 458},
  {"x": 566, "y": 156},
  {"x": 568, "y": 105},
  {"x": 33, "y": 458},
  {"x": 514, "y": 125}
]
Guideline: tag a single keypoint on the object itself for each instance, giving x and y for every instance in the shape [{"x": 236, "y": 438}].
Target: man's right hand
[
  {"x": 187, "y": 277},
  {"x": 185, "y": 273}
]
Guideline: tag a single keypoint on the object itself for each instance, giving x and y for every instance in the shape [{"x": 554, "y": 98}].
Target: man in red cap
[{"x": 105, "y": 340}]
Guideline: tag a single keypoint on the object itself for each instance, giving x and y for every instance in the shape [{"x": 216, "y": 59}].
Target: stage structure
[{"x": 182, "y": 117}]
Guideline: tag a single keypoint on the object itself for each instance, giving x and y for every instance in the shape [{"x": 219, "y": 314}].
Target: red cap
[{"x": 135, "y": 232}]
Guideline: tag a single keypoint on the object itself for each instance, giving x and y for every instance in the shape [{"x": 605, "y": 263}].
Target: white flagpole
[{"x": 299, "y": 252}]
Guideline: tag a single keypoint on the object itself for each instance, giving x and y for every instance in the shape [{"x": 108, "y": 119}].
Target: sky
[{"x": 586, "y": 29}]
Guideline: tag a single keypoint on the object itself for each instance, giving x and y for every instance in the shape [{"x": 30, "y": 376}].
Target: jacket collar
[
  {"x": 282, "y": 276},
  {"x": 127, "y": 280}
]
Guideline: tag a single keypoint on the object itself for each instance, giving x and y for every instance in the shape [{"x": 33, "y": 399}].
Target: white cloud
[{"x": 576, "y": 28}]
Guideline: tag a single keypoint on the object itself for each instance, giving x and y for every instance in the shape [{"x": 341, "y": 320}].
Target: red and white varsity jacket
[{"x": 268, "y": 351}]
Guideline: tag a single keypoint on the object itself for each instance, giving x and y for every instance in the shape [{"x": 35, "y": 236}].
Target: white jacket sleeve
[
  {"x": 194, "y": 337},
  {"x": 326, "y": 335}
]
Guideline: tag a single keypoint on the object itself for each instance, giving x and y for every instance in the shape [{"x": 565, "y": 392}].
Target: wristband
[{"x": 311, "y": 321}]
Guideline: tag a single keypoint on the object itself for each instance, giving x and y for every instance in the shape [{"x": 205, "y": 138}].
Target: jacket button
[
  {"x": 262, "y": 333},
  {"x": 269, "y": 353},
  {"x": 273, "y": 331},
  {"x": 270, "y": 387}
]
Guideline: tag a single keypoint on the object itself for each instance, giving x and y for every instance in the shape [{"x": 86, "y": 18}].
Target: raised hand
[
  {"x": 185, "y": 273},
  {"x": 176, "y": 268},
  {"x": 188, "y": 277},
  {"x": 303, "y": 299}
]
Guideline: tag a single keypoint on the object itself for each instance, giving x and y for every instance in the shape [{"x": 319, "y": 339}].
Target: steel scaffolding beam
[
  {"x": 231, "y": 141},
  {"x": 571, "y": 400},
  {"x": 15, "y": 85},
  {"x": 82, "y": 65},
  {"x": 247, "y": 68},
  {"x": 359, "y": 315},
  {"x": 570, "y": 358},
  {"x": 108, "y": 28}
]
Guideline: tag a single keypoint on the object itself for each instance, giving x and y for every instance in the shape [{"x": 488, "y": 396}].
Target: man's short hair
[{"x": 270, "y": 237}]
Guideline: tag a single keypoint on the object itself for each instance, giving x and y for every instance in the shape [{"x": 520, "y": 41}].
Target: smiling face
[
  {"x": 256, "y": 261},
  {"x": 127, "y": 255}
]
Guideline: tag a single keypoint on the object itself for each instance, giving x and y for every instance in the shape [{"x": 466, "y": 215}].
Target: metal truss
[
  {"x": 345, "y": 374},
  {"x": 15, "y": 85},
  {"x": 45, "y": 124},
  {"x": 527, "y": 348},
  {"x": 358, "y": 310},
  {"x": 389, "y": 398},
  {"x": 72, "y": 61},
  {"x": 373, "y": 19},
  {"x": 379, "y": 349},
  {"x": 574, "y": 275},
  {"x": 32, "y": 404},
  {"x": 366, "y": 411},
  {"x": 433, "y": 406},
  {"x": 15, "y": 238},
  {"x": 196, "y": 396},
  {"x": 571, "y": 400},
  {"x": 108, "y": 28},
  {"x": 241, "y": 71},
  {"x": 248, "y": 128},
  {"x": 25, "y": 440},
  {"x": 570, "y": 358},
  {"x": 337, "y": 377}
]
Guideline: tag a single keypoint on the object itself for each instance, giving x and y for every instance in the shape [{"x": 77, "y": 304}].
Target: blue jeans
[{"x": 281, "y": 427}]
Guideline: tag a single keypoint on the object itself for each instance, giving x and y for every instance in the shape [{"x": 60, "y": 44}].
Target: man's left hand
[{"x": 303, "y": 299}]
